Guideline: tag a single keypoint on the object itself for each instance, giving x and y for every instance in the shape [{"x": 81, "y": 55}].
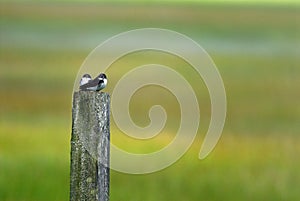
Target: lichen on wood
[{"x": 90, "y": 146}]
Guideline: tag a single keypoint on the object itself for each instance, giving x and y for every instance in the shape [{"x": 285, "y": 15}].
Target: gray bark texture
[{"x": 90, "y": 147}]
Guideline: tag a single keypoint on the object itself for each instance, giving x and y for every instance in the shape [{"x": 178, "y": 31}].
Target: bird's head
[
  {"x": 103, "y": 79},
  {"x": 85, "y": 79},
  {"x": 102, "y": 76},
  {"x": 86, "y": 76}
]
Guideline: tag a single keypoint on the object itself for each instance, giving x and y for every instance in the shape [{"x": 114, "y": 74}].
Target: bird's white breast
[
  {"x": 105, "y": 82},
  {"x": 84, "y": 80}
]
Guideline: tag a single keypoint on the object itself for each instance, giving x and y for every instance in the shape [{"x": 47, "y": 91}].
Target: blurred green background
[{"x": 255, "y": 47}]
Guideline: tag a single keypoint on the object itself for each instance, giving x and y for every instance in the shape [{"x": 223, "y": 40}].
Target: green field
[{"x": 256, "y": 49}]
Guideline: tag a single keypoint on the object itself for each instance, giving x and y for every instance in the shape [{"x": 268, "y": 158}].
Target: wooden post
[{"x": 90, "y": 147}]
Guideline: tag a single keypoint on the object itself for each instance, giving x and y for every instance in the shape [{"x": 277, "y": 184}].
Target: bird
[
  {"x": 85, "y": 79},
  {"x": 97, "y": 84}
]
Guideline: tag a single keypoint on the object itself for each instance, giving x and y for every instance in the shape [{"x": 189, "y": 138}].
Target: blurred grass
[{"x": 255, "y": 48}]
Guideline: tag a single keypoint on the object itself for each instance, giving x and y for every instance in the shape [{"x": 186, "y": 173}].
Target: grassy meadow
[{"x": 256, "y": 49}]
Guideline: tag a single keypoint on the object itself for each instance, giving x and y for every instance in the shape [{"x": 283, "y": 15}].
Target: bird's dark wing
[
  {"x": 101, "y": 82},
  {"x": 92, "y": 83}
]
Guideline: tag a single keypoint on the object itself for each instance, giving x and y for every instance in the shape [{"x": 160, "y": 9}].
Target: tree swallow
[
  {"x": 85, "y": 79},
  {"x": 87, "y": 84}
]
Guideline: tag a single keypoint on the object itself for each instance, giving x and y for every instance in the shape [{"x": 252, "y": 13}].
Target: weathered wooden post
[{"x": 90, "y": 146}]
